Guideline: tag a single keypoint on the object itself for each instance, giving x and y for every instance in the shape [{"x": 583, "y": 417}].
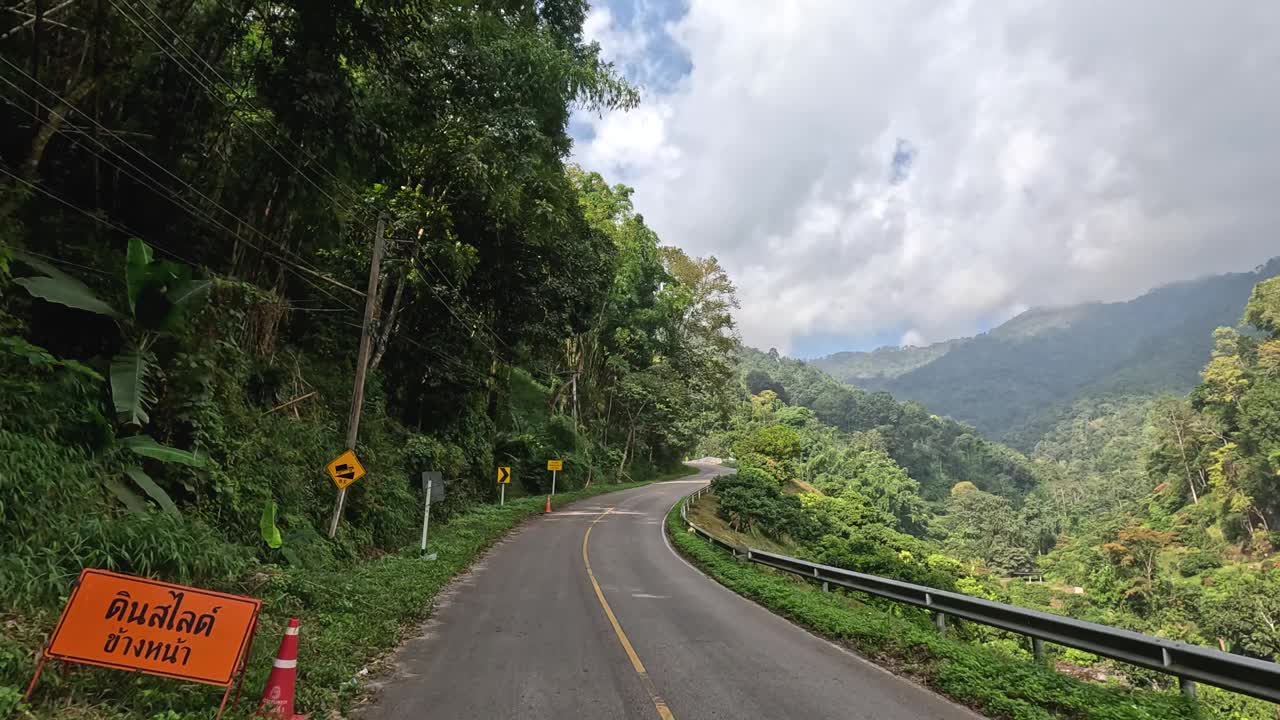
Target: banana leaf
[
  {"x": 149, "y": 486},
  {"x": 130, "y": 391},
  {"x": 146, "y": 446}
]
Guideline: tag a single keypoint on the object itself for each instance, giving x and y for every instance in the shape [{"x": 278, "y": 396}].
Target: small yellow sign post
[
  {"x": 554, "y": 466},
  {"x": 504, "y": 479},
  {"x": 345, "y": 469}
]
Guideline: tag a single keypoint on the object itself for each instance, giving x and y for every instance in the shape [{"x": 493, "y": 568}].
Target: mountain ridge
[{"x": 1011, "y": 380}]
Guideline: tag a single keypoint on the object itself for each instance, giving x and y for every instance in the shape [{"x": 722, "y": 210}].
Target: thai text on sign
[{"x": 153, "y": 627}]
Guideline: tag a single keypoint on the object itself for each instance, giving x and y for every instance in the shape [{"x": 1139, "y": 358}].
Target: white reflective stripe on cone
[
  {"x": 285, "y": 664},
  {"x": 291, "y": 631}
]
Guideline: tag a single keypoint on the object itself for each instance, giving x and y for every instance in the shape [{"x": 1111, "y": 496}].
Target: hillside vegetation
[
  {"x": 938, "y": 452},
  {"x": 188, "y": 208},
  {"x": 1156, "y": 515},
  {"x": 1017, "y": 381}
]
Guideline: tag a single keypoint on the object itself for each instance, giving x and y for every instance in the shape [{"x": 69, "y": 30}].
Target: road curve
[{"x": 526, "y": 634}]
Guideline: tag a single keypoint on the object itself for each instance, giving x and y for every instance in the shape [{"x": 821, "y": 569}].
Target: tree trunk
[
  {"x": 57, "y": 118},
  {"x": 1186, "y": 465},
  {"x": 573, "y": 383}
]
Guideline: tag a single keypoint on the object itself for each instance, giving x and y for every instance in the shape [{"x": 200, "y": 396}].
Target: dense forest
[
  {"x": 1155, "y": 515},
  {"x": 190, "y": 199},
  {"x": 938, "y": 452},
  {"x": 1019, "y": 380}
]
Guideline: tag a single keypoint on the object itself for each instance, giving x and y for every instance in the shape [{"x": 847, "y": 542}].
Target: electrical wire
[
  {"x": 156, "y": 185},
  {"x": 203, "y": 80},
  {"x": 138, "y": 21},
  {"x": 239, "y": 94}
]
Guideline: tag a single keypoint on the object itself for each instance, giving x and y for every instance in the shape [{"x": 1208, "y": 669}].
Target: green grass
[
  {"x": 349, "y": 618},
  {"x": 992, "y": 680}
]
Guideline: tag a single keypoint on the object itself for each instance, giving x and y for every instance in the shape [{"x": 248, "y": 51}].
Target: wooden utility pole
[{"x": 362, "y": 363}]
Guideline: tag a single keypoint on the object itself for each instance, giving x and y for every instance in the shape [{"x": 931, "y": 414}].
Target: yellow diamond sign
[{"x": 345, "y": 469}]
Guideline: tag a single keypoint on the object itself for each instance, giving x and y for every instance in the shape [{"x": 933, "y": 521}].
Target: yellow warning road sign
[
  {"x": 345, "y": 469},
  {"x": 504, "y": 476},
  {"x": 555, "y": 464}
]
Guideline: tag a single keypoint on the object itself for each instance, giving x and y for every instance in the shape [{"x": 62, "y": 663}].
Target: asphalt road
[{"x": 526, "y": 634}]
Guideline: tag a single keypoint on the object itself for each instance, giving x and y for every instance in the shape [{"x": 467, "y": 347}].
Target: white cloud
[{"x": 1064, "y": 150}]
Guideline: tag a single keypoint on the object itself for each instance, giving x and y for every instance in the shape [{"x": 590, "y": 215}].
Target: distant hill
[
  {"x": 935, "y": 451},
  {"x": 872, "y": 370},
  {"x": 1013, "y": 382}
]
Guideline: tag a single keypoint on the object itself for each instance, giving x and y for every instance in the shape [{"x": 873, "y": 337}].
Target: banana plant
[{"x": 160, "y": 295}]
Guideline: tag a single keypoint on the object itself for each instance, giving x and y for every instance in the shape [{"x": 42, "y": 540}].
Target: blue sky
[{"x": 879, "y": 173}]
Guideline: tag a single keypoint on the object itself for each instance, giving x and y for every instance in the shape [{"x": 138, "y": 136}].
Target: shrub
[{"x": 1195, "y": 562}]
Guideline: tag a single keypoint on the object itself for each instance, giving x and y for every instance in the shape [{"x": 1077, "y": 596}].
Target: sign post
[
  {"x": 131, "y": 623},
  {"x": 362, "y": 367},
  {"x": 504, "y": 479},
  {"x": 554, "y": 466},
  {"x": 433, "y": 484}
]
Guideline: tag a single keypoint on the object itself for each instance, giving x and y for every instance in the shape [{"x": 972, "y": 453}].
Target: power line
[
  {"x": 89, "y": 214},
  {"x": 68, "y": 203},
  {"x": 175, "y": 199},
  {"x": 203, "y": 80},
  {"x": 206, "y": 84},
  {"x": 230, "y": 86},
  {"x": 152, "y": 183},
  {"x": 455, "y": 363},
  {"x": 207, "y": 87}
]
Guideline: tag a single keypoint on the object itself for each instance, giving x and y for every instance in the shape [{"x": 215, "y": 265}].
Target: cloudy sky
[{"x": 904, "y": 172}]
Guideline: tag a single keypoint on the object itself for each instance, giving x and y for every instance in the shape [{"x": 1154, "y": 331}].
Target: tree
[
  {"x": 1243, "y": 609},
  {"x": 983, "y": 527},
  {"x": 776, "y": 442},
  {"x": 1179, "y": 430},
  {"x": 1135, "y": 551}
]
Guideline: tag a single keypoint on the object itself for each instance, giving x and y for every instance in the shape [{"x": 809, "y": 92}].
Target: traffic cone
[
  {"x": 277, "y": 696},
  {"x": 547, "y": 509}
]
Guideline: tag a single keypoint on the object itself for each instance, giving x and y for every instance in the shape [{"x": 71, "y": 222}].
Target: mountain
[
  {"x": 936, "y": 452},
  {"x": 872, "y": 370},
  {"x": 1013, "y": 382}
]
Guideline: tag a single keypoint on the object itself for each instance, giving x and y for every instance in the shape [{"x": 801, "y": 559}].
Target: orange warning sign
[
  {"x": 153, "y": 627},
  {"x": 345, "y": 469}
]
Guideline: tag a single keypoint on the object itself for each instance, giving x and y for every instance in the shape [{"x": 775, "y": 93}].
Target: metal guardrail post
[
  {"x": 826, "y": 587},
  {"x": 1188, "y": 688},
  {"x": 1037, "y": 649},
  {"x": 940, "y": 622}
]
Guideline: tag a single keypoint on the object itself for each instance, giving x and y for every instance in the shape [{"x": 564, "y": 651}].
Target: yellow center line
[{"x": 658, "y": 703}]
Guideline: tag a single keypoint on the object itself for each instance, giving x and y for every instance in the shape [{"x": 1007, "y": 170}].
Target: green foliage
[
  {"x": 872, "y": 370},
  {"x": 527, "y": 310},
  {"x": 1198, "y": 561},
  {"x": 267, "y": 526},
  {"x": 984, "y": 527},
  {"x": 751, "y": 501},
  {"x": 775, "y": 442},
  {"x": 935, "y": 452},
  {"x": 146, "y": 446},
  {"x": 130, "y": 386},
  {"x": 149, "y": 486}
]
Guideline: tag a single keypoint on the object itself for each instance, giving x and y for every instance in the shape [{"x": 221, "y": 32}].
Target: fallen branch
[{"x": 298, "y": 399}]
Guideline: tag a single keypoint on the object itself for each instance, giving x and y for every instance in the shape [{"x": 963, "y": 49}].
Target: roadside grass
[
  {"x": 349, "y": 617},
  {"x": 991, "y": 680}
]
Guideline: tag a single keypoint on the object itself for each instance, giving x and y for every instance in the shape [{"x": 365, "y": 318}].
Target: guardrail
[{"x": 1189, "y": 663}]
